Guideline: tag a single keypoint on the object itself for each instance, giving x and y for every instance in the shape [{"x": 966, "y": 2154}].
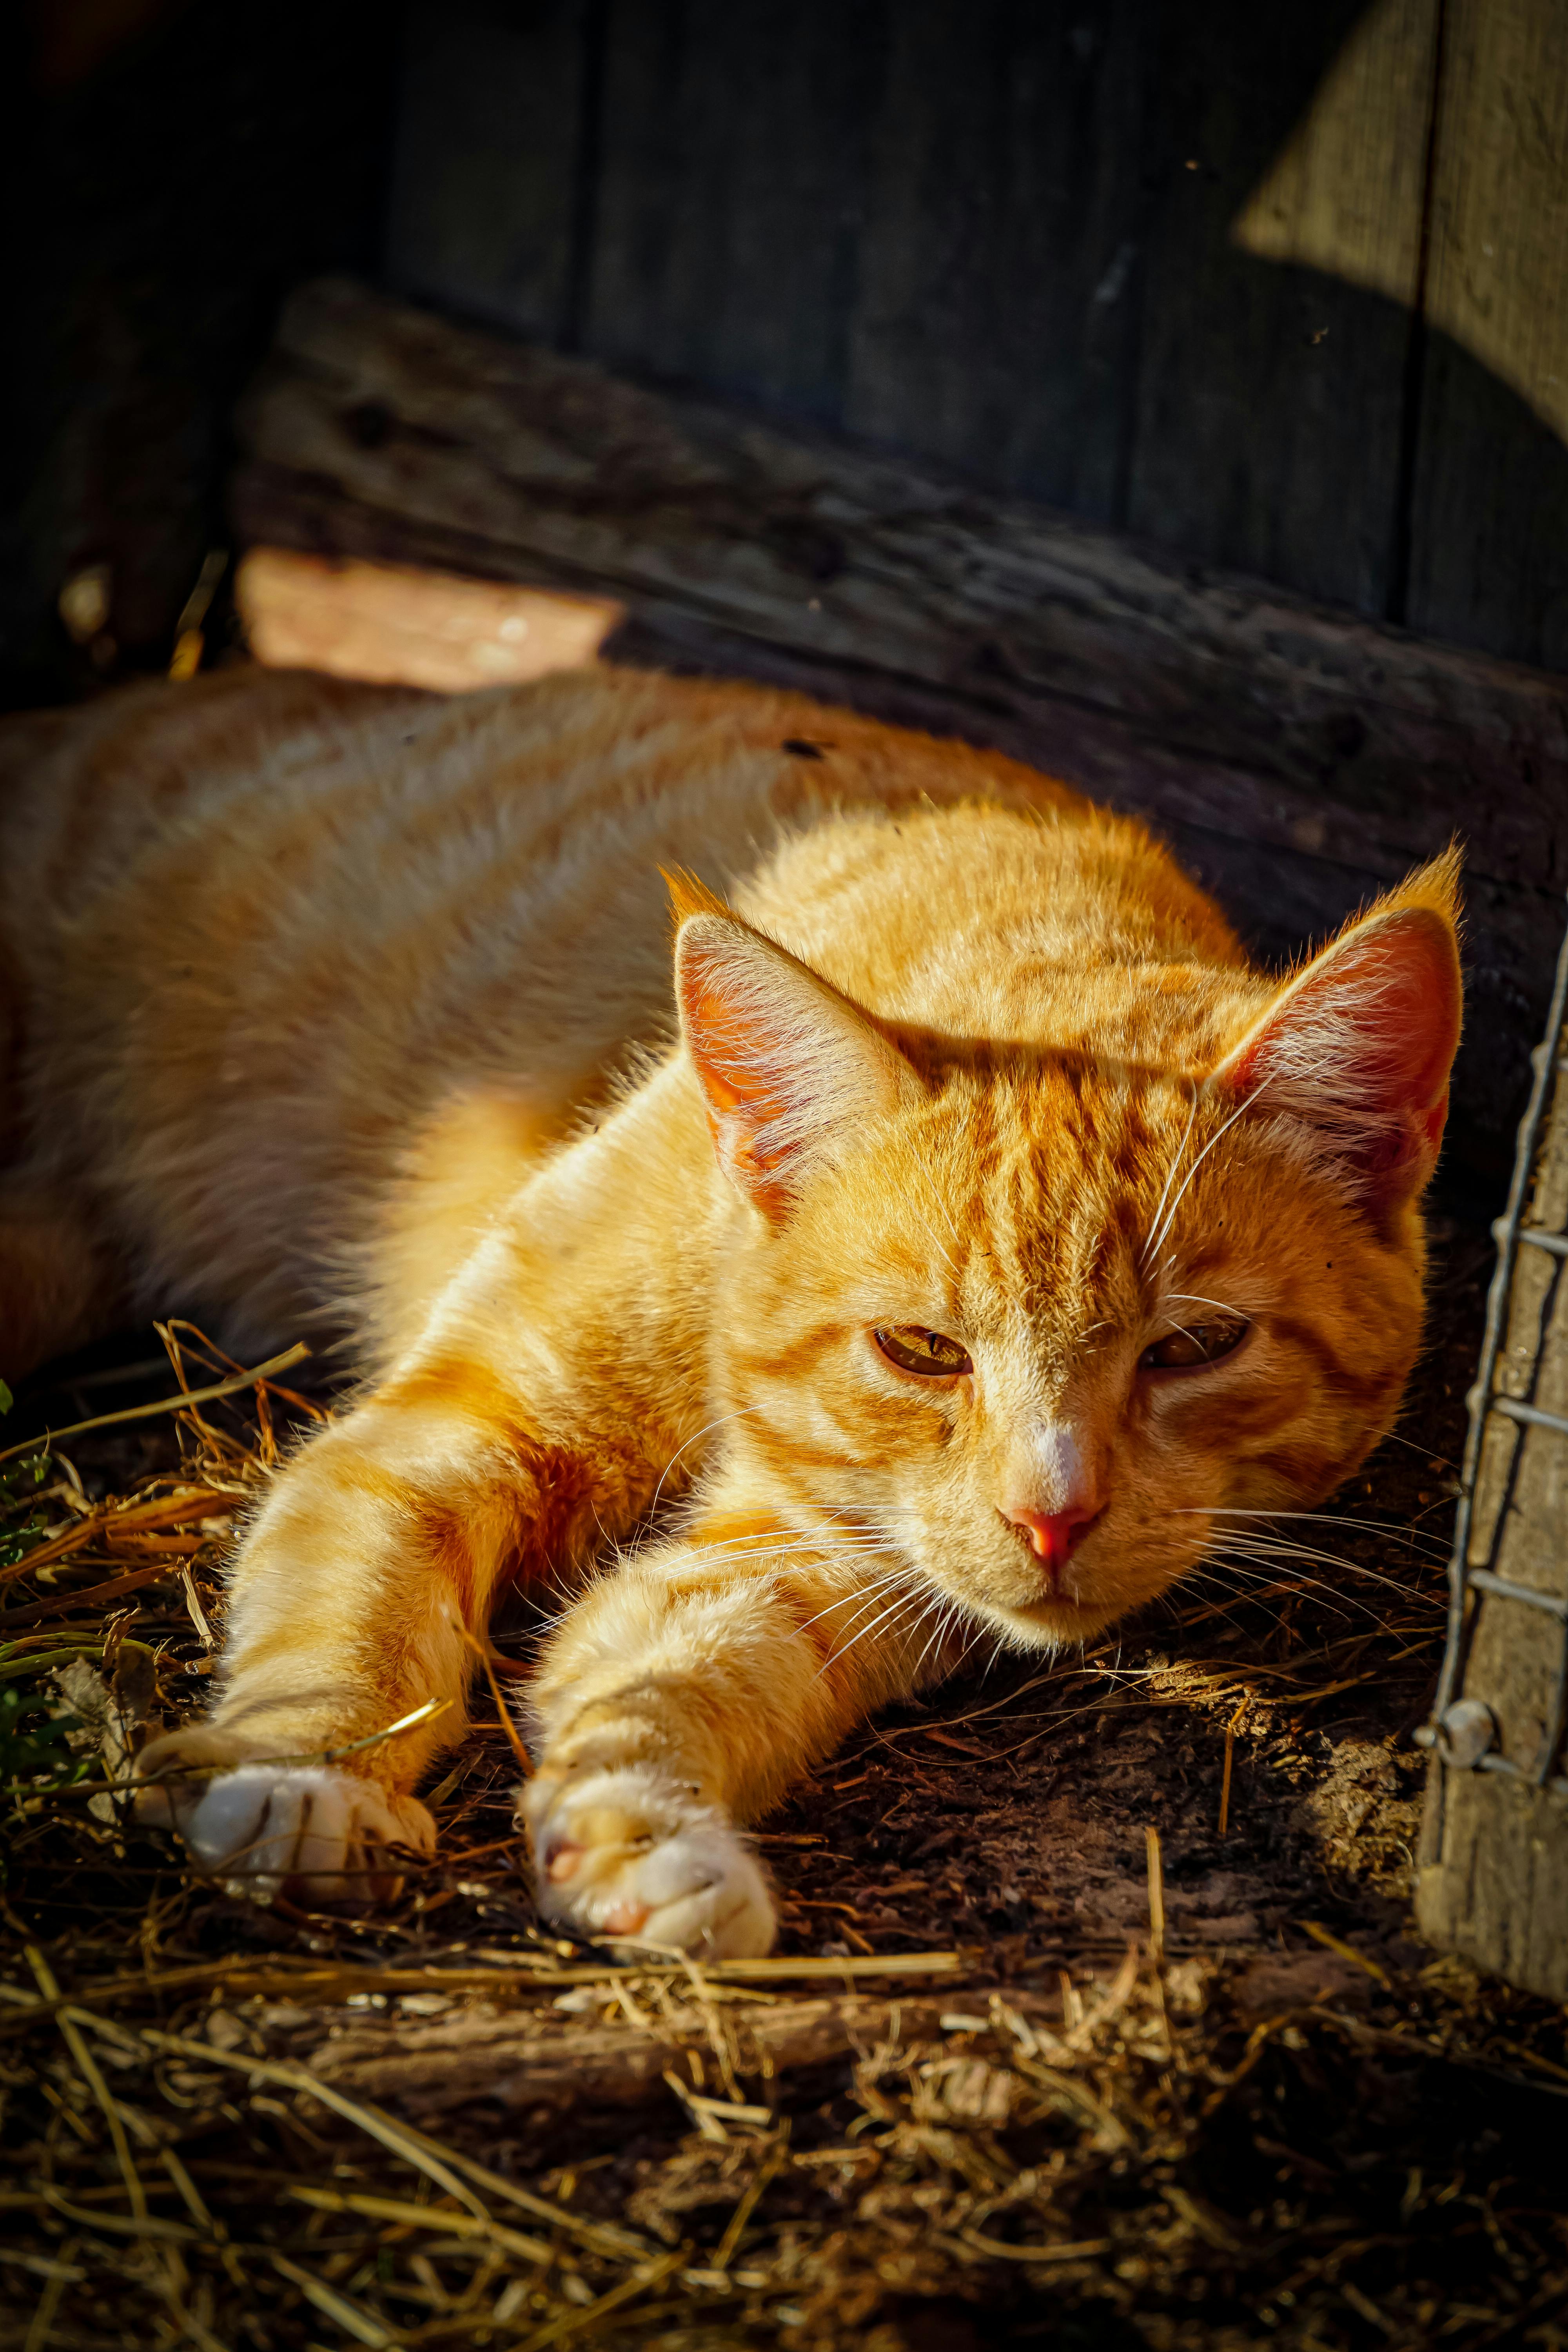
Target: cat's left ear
[
  {"x": 1358, "y": 1046},
  {"x": 788, "y": 1068}
]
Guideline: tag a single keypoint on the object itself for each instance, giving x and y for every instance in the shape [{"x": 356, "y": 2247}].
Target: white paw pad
[
  {"x": 326, "y": 1836},
  {"x": 628, "y": 1855}
]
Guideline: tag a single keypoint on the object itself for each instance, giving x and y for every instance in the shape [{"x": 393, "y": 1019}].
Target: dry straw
[{"x": 439, "y": 2125}]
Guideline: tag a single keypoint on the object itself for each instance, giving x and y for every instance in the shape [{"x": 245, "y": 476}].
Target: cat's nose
[{"x": 1054, "y": 1536}]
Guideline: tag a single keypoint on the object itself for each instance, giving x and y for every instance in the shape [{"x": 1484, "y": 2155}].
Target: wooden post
[{"x": 1493, "y": 1881}]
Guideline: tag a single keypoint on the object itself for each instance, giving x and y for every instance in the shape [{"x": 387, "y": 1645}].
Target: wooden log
[
  {"x": 1298, "y": 759},
  {"x": 545, "y": 2065}
]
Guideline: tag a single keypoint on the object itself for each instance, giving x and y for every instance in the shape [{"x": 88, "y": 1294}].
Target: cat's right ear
[
  {"x": 1358, "y": 1045},
  {"x": 788, "y": 1068}
]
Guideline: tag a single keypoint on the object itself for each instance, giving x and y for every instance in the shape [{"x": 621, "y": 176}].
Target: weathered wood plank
[
  {"x": 482, "y": 210},
  {"x": 999, "y": 275},
  {"x": 1490, "y": 518},
  {"x": 1289, "y": 151},
  {"x": 1493, "y": 1881},
  {"x": 730, "y": 193},
  {"x": 1299, "y": 758}
]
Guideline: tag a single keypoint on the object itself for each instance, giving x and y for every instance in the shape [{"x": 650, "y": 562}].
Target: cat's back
[{"x": 263, "y": 924}]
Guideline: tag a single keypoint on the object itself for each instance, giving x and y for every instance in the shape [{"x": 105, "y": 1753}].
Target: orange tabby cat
[{"x": 989, "y": 1234}]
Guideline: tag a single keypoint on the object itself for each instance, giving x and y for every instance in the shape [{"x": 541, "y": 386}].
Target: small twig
[
  {"x": 1156, "y": 1898},
  {"x": 303, "y": 1979},
  {"x": 1078, "y": 2249},
  {"x": 748, "y": 2204},
  {"x": 161, "y": 1510},
  {"x": 96, "y": 1596},
  {"x": 293, "y": 1355},
  {"x": 425, "y": 1713},
  {"x": 1345, "y": 1951},
  {"x": 88, "y": 2068},
  {"x": 289, "y": 1396},
  {"x": 350, "y": 2316},
  {"x": 199, "y": 1615},
  {"x": 411, "y": 2147},
  {"x": 481, "y": 1651},
  {"x": 572, "y": 2322},
  {"x": 44, "y": 2310},
  {"x": 1230, "y": 1731},
  {"x": 424, "y": 2217}
]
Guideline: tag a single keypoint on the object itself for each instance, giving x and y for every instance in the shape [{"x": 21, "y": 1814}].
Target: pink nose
[{"x": 1054, "y": 1536}]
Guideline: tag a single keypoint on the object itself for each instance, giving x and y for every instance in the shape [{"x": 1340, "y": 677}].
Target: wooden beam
[{"x": 1298, "y": 758}]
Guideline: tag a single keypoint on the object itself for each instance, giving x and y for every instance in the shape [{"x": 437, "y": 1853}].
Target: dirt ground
[{"x": 1097, "y": 2018}]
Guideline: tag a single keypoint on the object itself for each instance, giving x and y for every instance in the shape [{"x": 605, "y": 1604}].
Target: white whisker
[
  {"x": 1171, "y": 1176},
  {"x": 1240, "y": 1111}
]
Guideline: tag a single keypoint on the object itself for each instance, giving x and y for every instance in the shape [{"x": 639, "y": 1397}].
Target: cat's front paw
[
  {"x": 319, "y": 1835},
  {"x": 628, "y": 1854}
]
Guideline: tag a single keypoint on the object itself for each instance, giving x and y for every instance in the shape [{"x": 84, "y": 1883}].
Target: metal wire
[{"x": 1469, "y": 1588}]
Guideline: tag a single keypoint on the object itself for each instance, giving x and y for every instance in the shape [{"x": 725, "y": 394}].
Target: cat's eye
[
  {"x": 1197, "y": 1344},
  {"x": 915, "y": 1349}
]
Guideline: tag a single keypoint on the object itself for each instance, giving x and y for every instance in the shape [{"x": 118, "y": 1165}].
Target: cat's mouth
[{"x": 1061, "y": 1617}]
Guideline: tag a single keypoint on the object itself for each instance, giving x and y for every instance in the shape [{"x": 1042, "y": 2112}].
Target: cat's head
[{"x": 1051, "y": 1327}]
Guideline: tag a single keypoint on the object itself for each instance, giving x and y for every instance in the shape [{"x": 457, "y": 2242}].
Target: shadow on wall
[
  {"x": 1160, "y": 267},
  {"x": 1355, "y": 370},
  {"x": 1474, "y": 549}
]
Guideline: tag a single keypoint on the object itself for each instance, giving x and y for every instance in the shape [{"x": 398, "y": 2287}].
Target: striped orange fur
[{"x": 966, "y": 1229}]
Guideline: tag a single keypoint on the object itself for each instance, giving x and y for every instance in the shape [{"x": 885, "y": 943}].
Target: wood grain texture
[
  {"x": 483, "y": 209},
  {"x": 1299, "y": 759},
  {"x": 1000, "y": 265},
  {"x": 548, "y": 2065},
  {"x": 1494, "y": 1878},
  {"x": 1346, "y": 193},
  {"x": 1490, "y": 514},
  {"x": 730, "y": 197},
  {"x": 1270, "y": 390},
  {"x": 1281, "y": 290}
]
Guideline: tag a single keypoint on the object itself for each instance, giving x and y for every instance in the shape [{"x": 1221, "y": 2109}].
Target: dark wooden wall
[{"x": 1283, "y": 288}]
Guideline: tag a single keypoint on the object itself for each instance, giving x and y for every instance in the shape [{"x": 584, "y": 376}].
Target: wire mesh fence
[{"x": 1493, "y": 1881}]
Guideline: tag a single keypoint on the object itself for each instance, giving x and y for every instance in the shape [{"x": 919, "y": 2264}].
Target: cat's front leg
[
  {"x": 275, "y": 1821},
  {"x": 356, "y": 1602},
  {"x": 519, "y": 1430},
  {"x": 678, "y": 1701},
  {"x": 635, "y": 1855}
]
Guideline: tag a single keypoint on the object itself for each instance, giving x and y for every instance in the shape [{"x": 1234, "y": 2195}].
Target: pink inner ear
[
  {"x": 1361, "y": 1045},
  {"x": 737, "y": 1081},
  {"x": 787, "y": 1065}
]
